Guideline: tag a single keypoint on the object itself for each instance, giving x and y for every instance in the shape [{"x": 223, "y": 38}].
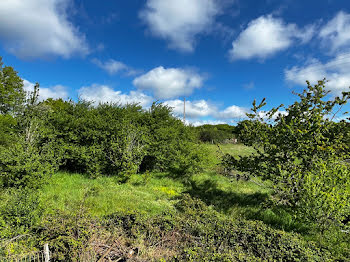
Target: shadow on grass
[
  {"x": 279, "y": 217},
  {"x": 252, "y": 206},
  {"x": 210, "y": 194}
]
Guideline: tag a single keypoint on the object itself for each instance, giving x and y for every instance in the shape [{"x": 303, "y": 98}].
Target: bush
[
  {"x": 20, "y": 211},
  {"x": 120, "y": 140},
  {"x": 325, "y": 193},
  {"x": 218, "y": 238},
  {"x": 198, "y": 233},
  {"x": 67, "y": 236},
  {"x": 195, "y": 232},
  {"x": 171, "y": 146},
  {"x": 300, "y": 152},
  {"x": 23, "y": 165}
]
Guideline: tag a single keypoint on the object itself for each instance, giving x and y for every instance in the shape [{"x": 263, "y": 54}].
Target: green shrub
[
  {"x": 8, "y": 130},
  {"x": 117, "y": 140},
  {"x": 298, "y": 151},
  {"x": 67, "y": 236},
  {"x": 216, "y": 133},
  {"x": 325, "y": 193},
  {"x": 171, "y": 146},
  {"x": 20, "y": 211},
  {"x": 218, "y": 238},
  {"x": 23, "y": 165},
  {"x": 198, "y": 233}
]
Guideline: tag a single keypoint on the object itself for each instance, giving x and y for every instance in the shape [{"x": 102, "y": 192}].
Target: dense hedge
[
  {"x": 119, "y": 140},
  {"x": 107, "y": 139}
]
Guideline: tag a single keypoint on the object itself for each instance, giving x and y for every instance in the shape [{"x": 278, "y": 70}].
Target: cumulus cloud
[
  {"x": 336, "y": 33},
  {"x": 105, "y": 94},
  {"x": 194, "y": 109},
  {"x": 113, "y": 67},
  {"x": 232, "y": 112},
  {"x": 335, "y": 70},
  {"x": 170, "y": 82},
  {"x": 205, "y": 122},
  {"x": 202, "y": 108},
  {"x": 265, "y": 36},
  {"x": 179, "y": 22},
  {"x": 198, "y": 112},
  {"x": 54, "y": 92},
  {"x": 39, "y": 28}
]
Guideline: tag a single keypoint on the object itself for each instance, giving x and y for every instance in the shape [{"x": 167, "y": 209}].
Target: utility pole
[{"x": 184, "y": 110}]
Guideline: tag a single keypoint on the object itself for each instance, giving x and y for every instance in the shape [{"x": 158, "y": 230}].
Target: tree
[
  {"x": 12, "y": 94},
  {"x": 301, "y": 151}
]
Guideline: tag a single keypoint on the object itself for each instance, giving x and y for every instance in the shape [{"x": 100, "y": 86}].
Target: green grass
[
  {"x": 104, "y": 195},
  {"x": 156, "y": 193},
  {"x": 150, "y": 194},
  {"x": 216, "y": 152}
]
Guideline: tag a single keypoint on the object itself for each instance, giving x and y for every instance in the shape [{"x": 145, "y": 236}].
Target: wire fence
[
  {"x": 37, "y": 256},
  {"x": 29, "y": 257}
]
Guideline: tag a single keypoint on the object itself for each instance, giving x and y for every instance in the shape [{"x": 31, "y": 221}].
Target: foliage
[
  {"x": 23, "y": 166},
  {"x": 8, "y": 130},
  {"x": 300, "y": 152},
  {"x": 67, "y": 236},
  {"x": 12, "y": 94},
  {"x": 19, "y": 211},
  {"x": 25, "y": 162},
  {"x": 217, "y": 238},
  {"x": 216, "y": 133},
  {"x": 194, "y": 233},
  {"x": 325, "y": 193},
  {"x": 119, "y": 140}
]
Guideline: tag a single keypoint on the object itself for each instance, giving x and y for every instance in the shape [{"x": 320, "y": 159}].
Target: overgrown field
[
  {"x": 113, "y": 182},
  {"x": 152, "y": 208},
  {"x": 152, "y": 193}
]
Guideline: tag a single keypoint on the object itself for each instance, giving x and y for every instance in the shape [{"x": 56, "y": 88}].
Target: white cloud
[
  {"x": 264, "y": 115},
  {"x": 336, "y": 33},
  {"x": 39, "y": 28},
  {"x": 265, "y": 36},
  {"x": 335, "y": 70},
  {"x": 111, "y": 66},
  {"x": 54, "y": 92},
  {"x": 105, "y": 94},
  {"x": 169, "y": 83},
  {"x": 205, "y": 122},
  {"x": 203, "y": 108},
  {"x": 232, "y": 112},
  {"x": 180, "y": 21},
  {"x": 194, "y": 109}
]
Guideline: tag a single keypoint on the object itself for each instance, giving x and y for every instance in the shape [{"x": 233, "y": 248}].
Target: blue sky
[{"x": 219, "y": 54}]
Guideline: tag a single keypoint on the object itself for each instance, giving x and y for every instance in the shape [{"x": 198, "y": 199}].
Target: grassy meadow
[{"x": 156, "y": 193}]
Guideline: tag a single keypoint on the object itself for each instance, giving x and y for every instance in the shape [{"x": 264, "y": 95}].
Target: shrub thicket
[
  {"x": 117, "y": 140},
  {"x": 108, "y": 139},
  {"x": 216, "y": 133},
  {"x": 193, "y": 233},
  {"x": 303, "y": 152}
]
